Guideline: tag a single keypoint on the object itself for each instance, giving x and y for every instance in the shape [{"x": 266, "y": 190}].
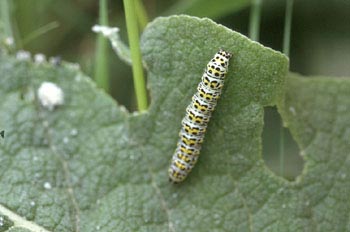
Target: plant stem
[
  {"x": 287, "y": 27},
  {"x": 281, "y": 149},
  {"x": 254, "y": 21},
  {"x": 5, "y": 9},
  {"x": 286, "y": 47},
  {"x": 40, "y": 31},
  {"x": 101, "y": 62},
  {"x": 141, "y": 14},
  {"x": 137, "y": 69}
]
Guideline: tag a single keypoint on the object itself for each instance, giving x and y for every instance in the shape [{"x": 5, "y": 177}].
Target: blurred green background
[{"x": 320, "y": 43}]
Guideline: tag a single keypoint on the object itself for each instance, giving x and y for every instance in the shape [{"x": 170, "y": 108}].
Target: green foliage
[
  {"x": 317, "y": 111},
  {"x": 90, "y": 165},
  {"x": 5, "y": 223}
]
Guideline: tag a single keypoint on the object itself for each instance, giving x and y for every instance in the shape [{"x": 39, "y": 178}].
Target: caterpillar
[{"x": 197, "y": 117}]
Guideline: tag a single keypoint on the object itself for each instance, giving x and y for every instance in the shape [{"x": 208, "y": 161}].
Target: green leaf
[
  {"x": 317, "y": 111},
  {"x": 88, "y": 165}
]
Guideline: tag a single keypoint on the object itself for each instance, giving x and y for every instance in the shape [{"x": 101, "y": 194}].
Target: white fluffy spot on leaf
[
  {"x": 47, "y": 185},
  {"x": 23, "y": 55},
  {"x": 9, "y": 41},
  {"x": 50, "y": 95},
  {"x": 39, "y": 58}
]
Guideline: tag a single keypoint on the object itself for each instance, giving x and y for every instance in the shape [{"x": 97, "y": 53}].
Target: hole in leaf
[{"x": 273, "y": 144}]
